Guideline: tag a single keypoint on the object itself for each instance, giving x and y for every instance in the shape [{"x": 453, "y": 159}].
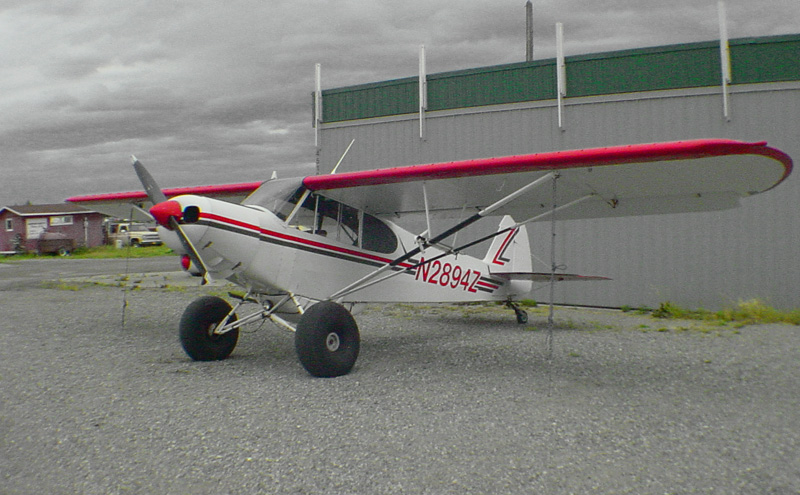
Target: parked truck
[{"x": 134, "y": 234}]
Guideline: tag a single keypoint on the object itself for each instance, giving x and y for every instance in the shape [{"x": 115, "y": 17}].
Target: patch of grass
[
  {"x": 14, "y": 257},
  {"x": 755, "y": 311},
  {"x": 750, "y": 312},
  {"x": 641, "y": 310},
  {"x": 60, "y": 285},
  {"x": 668, "y": 310},
  {"x": 100, "y": 252},
  {"x": 126, "y": 252}
]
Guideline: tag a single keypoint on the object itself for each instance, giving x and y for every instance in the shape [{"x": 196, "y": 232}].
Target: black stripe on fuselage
[{"x": 294, "y": 245}]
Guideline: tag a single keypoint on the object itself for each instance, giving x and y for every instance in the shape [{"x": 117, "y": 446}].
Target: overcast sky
[{"x": 210, "y": 92}]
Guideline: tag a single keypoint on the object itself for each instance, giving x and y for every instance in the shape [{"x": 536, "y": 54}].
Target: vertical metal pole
[
  {"x": 553, "y": 252},
  {"x": 529, "y": 31},
  {"x": 423, "y": 91},
  {"x": 725, "y": 58},
  {"x": 561, "y": 73},
  {"x": 317, "y": 111},
  {"x": 317, "y": 101}
]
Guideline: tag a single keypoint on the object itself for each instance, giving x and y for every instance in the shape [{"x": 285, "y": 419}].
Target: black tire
[
  {"x": 327, "y": 340},
  {"x": 197, "y": 323},
  {"x": 522, "y": 317}
]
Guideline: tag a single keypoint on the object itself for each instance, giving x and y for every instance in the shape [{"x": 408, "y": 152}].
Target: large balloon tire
[
  {"x": 196, "y": 327},
  {"x": 327, "y": 340}
]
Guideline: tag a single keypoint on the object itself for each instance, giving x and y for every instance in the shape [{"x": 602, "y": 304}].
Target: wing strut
[{"x": 429, "y": 232}]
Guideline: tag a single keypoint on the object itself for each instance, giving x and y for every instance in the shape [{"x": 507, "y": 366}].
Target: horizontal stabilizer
[{"x": 545, "y": 277}]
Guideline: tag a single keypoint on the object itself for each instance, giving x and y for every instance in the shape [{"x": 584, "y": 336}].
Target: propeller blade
[
  {"x": 150, "y": 186},
  {"x": 157, "y": 197}
]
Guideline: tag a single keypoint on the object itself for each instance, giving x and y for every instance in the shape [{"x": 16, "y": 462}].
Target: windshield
[{"x": 278, "y": 195}]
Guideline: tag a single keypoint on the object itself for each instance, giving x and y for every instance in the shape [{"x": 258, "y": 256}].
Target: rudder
[{"x": 510, "y": 252}]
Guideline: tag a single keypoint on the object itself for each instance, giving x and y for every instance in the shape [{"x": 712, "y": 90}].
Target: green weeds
[
  {"x": 750, "y": 312},
  {"x": 100, "y": 252},
  {"x": 126, "y": 252}
]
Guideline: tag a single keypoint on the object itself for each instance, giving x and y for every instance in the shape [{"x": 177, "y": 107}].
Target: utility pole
[{"x": 529, "y": 31}]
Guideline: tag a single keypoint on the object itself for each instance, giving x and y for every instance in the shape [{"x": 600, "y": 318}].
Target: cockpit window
[{"x": 323, "y": 216}]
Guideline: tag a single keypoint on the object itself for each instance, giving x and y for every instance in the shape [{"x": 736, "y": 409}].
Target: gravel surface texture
[{"x": 443, "y": 399}]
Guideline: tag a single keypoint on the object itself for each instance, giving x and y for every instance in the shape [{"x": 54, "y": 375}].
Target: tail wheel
[
  {"x": 197, "y": 327},
  {"x": 327, "y": 340}
]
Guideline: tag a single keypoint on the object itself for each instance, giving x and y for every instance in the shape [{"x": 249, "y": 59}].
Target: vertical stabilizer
[{"x": 510, "y": 252}]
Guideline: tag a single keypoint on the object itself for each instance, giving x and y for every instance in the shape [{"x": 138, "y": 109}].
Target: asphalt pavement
[
  {"x": 33, "y": 272},
  {"x": 97, "y": 397}
]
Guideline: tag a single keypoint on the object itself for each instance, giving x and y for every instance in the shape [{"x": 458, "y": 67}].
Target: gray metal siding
[{"x": 696, "y": 260}]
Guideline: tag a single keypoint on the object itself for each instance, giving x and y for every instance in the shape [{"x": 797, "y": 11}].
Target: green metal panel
[
  {"x": 753, "y": 60},
  {"x": 682, "y": 66},
  {"x": 370, "y": 100},
  {"x": 491, "y": 86},
  {"x": 758, "y": 60}
]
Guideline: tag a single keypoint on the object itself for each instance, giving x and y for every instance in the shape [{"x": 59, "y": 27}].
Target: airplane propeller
[
  {"x": 167, "y": 214},
  {"x": 150, "y": 186}
]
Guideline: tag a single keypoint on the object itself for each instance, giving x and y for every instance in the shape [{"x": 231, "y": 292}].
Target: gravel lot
[{"x": 442, "y": 400}]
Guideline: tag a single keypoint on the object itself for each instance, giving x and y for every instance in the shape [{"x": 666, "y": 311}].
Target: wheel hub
[{"x": 332, "y": 342}]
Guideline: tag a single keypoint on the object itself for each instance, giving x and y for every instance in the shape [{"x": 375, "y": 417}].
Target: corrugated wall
[{"x": 702, "y": 259}]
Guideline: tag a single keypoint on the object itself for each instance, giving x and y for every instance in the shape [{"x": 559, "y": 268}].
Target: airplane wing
[
  {"x": 641, "y": 179},
  {"x": 120, "y": 205}
]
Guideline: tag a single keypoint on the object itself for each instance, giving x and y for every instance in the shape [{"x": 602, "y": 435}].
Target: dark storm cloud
[{"x": 211, "y": 92}]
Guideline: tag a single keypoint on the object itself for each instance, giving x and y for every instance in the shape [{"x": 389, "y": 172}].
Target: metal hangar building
[{"x": 667, "y": 93}]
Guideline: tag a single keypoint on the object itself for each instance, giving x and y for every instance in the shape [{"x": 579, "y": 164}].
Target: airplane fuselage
[{"x": 255, "y": 248}]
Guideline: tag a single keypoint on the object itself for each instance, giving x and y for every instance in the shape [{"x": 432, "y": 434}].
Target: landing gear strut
[{"x": 522, "y": 316}]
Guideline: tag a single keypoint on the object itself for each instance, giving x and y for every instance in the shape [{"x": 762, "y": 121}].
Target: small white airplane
[{"x": 306, "y": 250}]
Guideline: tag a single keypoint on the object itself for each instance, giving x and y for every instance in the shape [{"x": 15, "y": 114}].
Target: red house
[{"x": 48, "y": 227}]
